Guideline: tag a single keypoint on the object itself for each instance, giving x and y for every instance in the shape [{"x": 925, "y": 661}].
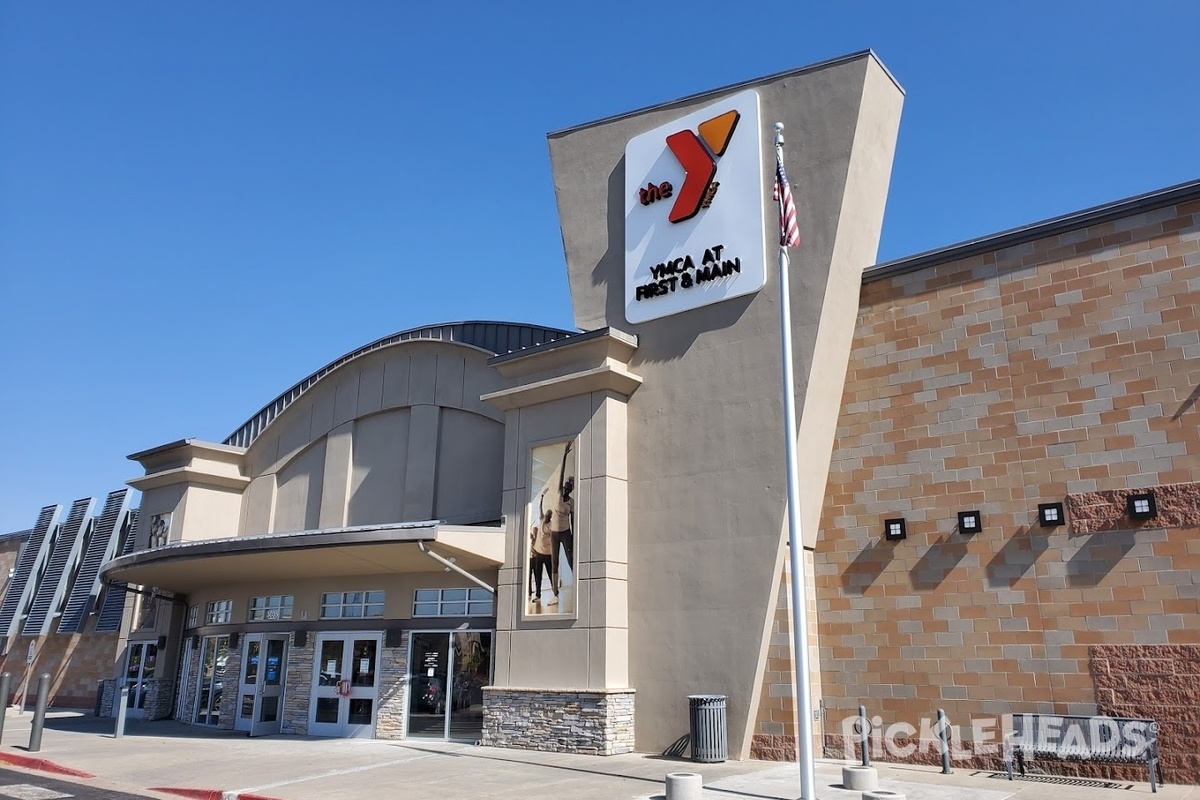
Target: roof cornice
[{"x": 1172, "y": 195}]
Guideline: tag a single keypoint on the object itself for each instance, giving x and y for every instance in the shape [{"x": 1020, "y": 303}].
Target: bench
[{"x": 1077, "y": 738}]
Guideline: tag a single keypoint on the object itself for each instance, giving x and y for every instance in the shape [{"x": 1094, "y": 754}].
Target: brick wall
[
  {"x": 10, "y": 549},
  {"x": 1065, "y": 369},
  {"x": 76, "y": 664},
  {"x": 1159, "y": 682},
  {"x": 774, "y": 733}
]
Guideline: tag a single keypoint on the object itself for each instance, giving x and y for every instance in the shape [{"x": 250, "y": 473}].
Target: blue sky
[{"x": 193, "y": 196}]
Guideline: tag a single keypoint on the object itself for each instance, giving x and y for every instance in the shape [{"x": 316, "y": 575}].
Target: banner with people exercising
[{"x": 550, "y": 535}]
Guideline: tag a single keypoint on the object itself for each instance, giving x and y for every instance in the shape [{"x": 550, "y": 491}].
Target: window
[
  {"x": 452, "y": 603},
  {"x": 218, "y": 611},
  {"x": 276, "y": 606},
  {"x": 193, "y": 616},
  {"x": 351, "y": 605}
]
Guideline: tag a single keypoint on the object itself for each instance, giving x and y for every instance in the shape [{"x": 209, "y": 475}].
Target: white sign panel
[{"x": 694, "y": 210}]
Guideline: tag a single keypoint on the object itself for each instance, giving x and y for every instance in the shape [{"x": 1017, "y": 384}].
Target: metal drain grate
[{"x": 1059, "y": 780}]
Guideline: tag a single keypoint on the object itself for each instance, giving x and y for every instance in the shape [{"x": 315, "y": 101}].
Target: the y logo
[
  {"x": 683, "y": 250},
  {"x": 698, "y": 155}
]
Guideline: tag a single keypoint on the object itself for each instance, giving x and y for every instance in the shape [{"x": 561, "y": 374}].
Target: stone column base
[{"x": 594, "y": 722}]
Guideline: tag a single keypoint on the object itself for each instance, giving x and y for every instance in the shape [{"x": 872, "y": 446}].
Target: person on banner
[
  {"x": 562, "y": 518},
  {"x": 541, "y": 549}
]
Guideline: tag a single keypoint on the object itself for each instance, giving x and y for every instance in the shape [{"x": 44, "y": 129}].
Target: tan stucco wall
[
  {"x": 306, "y": 608},
  {"x": 706, "y": 488},
  {"x": 588, "y": 650},
  {"x": 382, "y": 439}
]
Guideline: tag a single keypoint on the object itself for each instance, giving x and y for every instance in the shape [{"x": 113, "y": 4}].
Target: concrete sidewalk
[{"x": 205, "y": 763}]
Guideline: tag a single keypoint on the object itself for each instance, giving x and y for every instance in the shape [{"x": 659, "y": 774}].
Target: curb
[
  {"x": 208, "y": 794},
  {"x": 42, "y": 765}
]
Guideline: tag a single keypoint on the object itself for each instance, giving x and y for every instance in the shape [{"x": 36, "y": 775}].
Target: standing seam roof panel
[
  {"x": 32, "y": 558},
  {"x": 52, "y": 584},
  {"x": 114, "y": 599},
  {"x": 100, "y": 548}
]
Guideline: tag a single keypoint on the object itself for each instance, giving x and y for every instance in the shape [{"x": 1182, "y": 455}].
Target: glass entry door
[
  {"x": 139, "y": 668},
  {"x": 447, "y": 673},
  {"x": 345, "y": 685},
  {"x": 210, "y": 683},
  {"x": 260, "y": 698}
]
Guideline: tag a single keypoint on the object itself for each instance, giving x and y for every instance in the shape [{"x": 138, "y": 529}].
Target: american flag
[{"x": 789, "y": 229}]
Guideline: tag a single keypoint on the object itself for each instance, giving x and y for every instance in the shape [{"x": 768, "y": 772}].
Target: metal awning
[{"x": 184, "y": 567}]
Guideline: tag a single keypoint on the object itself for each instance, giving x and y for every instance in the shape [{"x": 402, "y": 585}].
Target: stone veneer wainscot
[{"x": 559, "y": 720}]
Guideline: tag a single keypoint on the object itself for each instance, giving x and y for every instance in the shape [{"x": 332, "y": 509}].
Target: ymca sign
[{"x": 694, "y": 210}]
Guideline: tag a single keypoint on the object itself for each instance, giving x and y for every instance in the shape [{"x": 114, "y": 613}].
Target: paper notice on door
[
  {"x": 430, "y": 673},
  {"x": 331, "y": 665},
  {"x": 364, "y": 665}
]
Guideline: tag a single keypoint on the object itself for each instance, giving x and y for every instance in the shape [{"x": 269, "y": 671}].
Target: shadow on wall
[
  {"x": 1099, "y": 556},
  {"x": 1187, "y": 405},
  {"x": 868, "y": 566},
  {"x": 939, "y": 561},
  {"x": 1016, "y": 558}
]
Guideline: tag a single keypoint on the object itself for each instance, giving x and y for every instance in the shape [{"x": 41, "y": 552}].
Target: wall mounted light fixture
[
  {"x": 1051, "y": 514},
  {"x": 1142, "y": 505},
  {"x": 894, "y": 529},
  {"x": 970, "y": 522}
]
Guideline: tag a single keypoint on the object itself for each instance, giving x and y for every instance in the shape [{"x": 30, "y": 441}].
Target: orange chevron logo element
[
  {"x": 718, "y": 131},
  {"x": 698, "y": 155}
]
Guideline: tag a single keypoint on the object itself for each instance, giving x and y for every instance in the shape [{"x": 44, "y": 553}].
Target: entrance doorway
[
  {"x": 345, "y": 693},
  {"x": 260, "y": 695},
  {"x": 447, "y": 673},
  {"x": 139, "y": 670},
  {"x": 210, "y": 683}
]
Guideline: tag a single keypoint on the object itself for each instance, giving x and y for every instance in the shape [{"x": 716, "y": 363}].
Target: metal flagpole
[{"x": 804, "y": 716}]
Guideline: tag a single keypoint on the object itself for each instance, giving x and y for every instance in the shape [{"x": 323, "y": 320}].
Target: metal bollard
[
  {"x": 864, "y": 733},
  {"x": 5, "y": 680},
  {"x": 944, "y": 741},
  {"x": 122, "y": 701},
  {"x": 39, "y": 713}
]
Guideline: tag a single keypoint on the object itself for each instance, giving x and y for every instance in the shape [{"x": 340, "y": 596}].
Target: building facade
[
  {"x": 1053, "y": 366},
  {"x": 550, "y": 539}
]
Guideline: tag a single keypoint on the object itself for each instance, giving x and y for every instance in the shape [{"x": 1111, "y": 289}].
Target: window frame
[
  {"x": 284, "y": 609},
  {"x": 458, "y": 601},
  {"x": 369, "y": 603},
  {"x": 218, "y": 612}
]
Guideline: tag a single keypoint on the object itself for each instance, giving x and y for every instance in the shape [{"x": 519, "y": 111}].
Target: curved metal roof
[{"x": 496, "y": 338}]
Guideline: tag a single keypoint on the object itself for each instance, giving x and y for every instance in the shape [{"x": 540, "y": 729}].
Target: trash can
[{"x": 706, "y": 714}]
